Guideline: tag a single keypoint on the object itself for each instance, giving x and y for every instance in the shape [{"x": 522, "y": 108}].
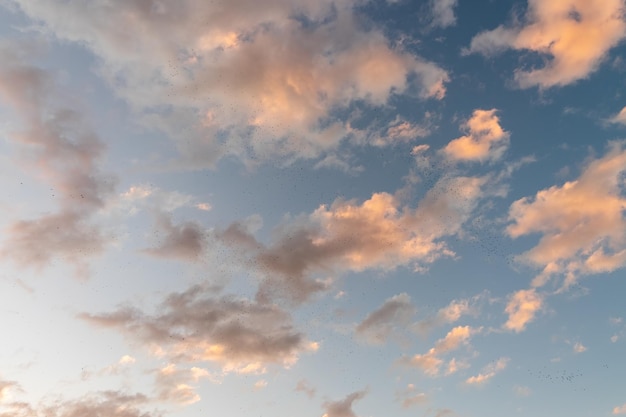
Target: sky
[{"x": 296, "y": 208}]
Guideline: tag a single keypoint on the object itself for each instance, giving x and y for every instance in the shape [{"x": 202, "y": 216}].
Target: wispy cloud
[
  {"x": 485, "y": 139},
  {"x": 521, "y": 308},
  {"x": 63, "y": 150}
]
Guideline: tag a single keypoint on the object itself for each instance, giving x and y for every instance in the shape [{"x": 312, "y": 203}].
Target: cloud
[
  {"x": 185, "y": 242},
  {"x": 579, "y": 347},
  {"x": 105, "y": 403},
  {"x": 522, "y": 391},
  {"x": 242, "y": 80},
  {"x": 430, "y": 362},
  {"x": 174, "y": 385},
  {"x": 379, "y": 233},
  {"x": 60, "y": 148},
  {"x": 581, "y": 223},
  {"x": 447, "y": 315},
  {"x": 304, "y": 386},
  {"x": 488, "y": 372},
  {"x": 381, "y": 323},
  {"x": 619, "y": 118},
  {"x": 485, "y": 141},
  {"x": 521, "y": 308},
  {"x": 239, "y": 335},
  {"x": 343, "y": 408},
  {"x": 572, "y": 36},
  {"x": 120, "y": 366},
  {"x": 442, "y": 12},
  {"x": 620, "y": 409},
  {"x": 410, "y": 397},
  {"x": 6, "y": 387}
]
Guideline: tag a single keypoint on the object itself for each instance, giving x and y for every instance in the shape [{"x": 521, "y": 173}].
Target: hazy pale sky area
[{"x": 312, "y": 208}]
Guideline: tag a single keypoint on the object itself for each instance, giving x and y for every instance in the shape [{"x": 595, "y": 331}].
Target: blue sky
[{"x": 339, "y": 208}]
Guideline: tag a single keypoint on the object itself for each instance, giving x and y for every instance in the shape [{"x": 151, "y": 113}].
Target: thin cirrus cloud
[
  {"x": 229, "y": 53},
  {"x": 574, "y": 35},
  {"x": 238, "y": 335},
  {"x": 64, "y": 152}
]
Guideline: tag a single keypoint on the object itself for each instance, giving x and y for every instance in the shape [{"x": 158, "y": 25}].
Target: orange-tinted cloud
[
  {"x": 485, "y": 139},
  {"x": 581, "y": 223},
  {"x": 573, "y": 36},
  {"x": 521, "y": 308}
]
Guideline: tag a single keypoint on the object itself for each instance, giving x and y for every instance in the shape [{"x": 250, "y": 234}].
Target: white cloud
[
  {"x": 579, "y": 347},
  {"x": 620, "y": 409},
  {"x": 574, "y": 37}
]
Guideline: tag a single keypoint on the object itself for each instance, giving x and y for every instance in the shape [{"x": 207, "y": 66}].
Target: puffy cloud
[
  {"x": 378, "y": 233},
  {"x": 64, "y": 151},
  {"x": 521, "y": 308},
  {"x": 485, "y": 139},
  {"x": 573, "y": 37},
  {"x": 242, "y": 79},
  {"x": 380, "y": 324},
  {"x": 430, "y": 362},
  {"x": 582, "y": 224},
  {"x": 442, "y": 12},
  {"x": 185, "y": 242},
  {"x": 174, "y": 384},
  {"x": 240, "y": 335},
  {"x": 343, "y": 408},
  {"x": 579, "y": 347},
  {"x": 488, "y": 372},
  {"x": 620, "y": 409}
]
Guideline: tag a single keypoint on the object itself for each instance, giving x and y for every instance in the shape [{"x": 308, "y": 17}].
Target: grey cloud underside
[
  {"x": 186, "y": 241},
  {"x": 64, "y": 152},
  {"x": 102, "y": 404},
  {"x": 195, "y": 326}
]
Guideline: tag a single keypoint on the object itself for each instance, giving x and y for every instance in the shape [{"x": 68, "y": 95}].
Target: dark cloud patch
[{"x": 239, "y": 334}]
